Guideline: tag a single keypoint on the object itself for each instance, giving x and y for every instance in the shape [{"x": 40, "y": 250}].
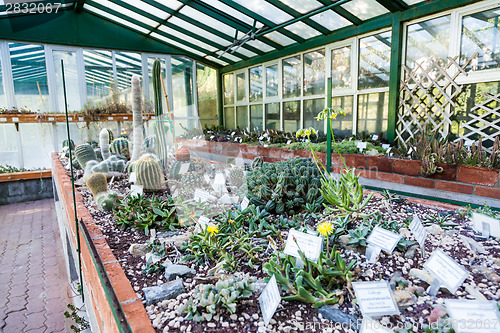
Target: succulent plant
[
  {"x": 189, "y": 182},
  {"x": 120, "y": 146},
  {"x": 84, "y": 153},
  {"x": 110, "y": 167},
  {"x": 106, "y": 201},
  {"x": 160, "y": 126},
  {"x": 71, "y": 144},
  {"x": 137, "y": 118},
  {"x": 97, "y": 183},
  {"x": 237, "y": 177},
  {"x": 149, "y": 173},
  {"x": 149, "y": 145},
  {"x": 257, "y": 162},
  {"x": 104, "y": 143}
]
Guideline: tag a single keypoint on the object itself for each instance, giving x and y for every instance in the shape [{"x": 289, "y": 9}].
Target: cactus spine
[
  {"x": 104, "y": 143},
  {"x": 159, "y": 128},
  {"x": 85, "y": 153},
  {"x": 97, "y": 183},
  {"x": 120, "y": 146},
  {"x": 137, "y": 117},
  {"x": 149, "y": 173}
]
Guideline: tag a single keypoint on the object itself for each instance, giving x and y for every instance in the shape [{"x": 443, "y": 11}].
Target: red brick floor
[{"x": 33, "y": 282}]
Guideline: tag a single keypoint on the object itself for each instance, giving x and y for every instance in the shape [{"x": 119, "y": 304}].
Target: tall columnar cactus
[
  {"x": 160, "y": 122},
  {"x": 97, "y": 183},
  {"x": 149, "y": 173},
  {"x": 137, "y": 118},
  {"x": 85, "y": 153},
  {"x": 121, "y": 146},
  {"x": 104, "y": 143}
]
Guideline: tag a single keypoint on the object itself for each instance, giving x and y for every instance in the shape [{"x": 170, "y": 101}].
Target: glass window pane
[
  {"x": 3, "y": 99},
  {"x": 207, "y": 92},
  {"x": 98, "y": 75},
  {"x": 30, "y": 76},
  {"x": 341, "y": 67},
  {"x": 314, "y": 73},
  {"x": 183, "y": 87},
  {"x": 264, "y": 8},
  {"x": 374, "y": 61},
  {"x": 256, "y": 91},
  {"x": 209, "y": 123},
  {"x": 127, "y": 64},
  {"x": 302, "y": 6},
  {"x": 256, "y": 117},
  {"x": 291, "y": 116},
  {"x": 241, "y": 90},
  {"x": 372, "y": 113},
  {"x": 229, "y": 118},
  {"x": 8, "y": 145},
  {"x": 480, "y": 34},
  {"x": 303, "y": 30},
  {"x": 71, "y": 78},
  {"x": 163, "y": 71},
  {"x": 330, "y": 20},
  {"x": 428, "y": 41},
  {"x": 365, "y": 9},
  {"x": 242, "y": 117},
  {"x": 291, "y": 77},
  {"x": 311, "y": 109},
  {"x": 342, "y": 125},
  {"x": 273, "y": 116},
  {"x": 228, "y": 89},
  {"x": 37, "y": 143},
  {"x": 272, "y": 81}
]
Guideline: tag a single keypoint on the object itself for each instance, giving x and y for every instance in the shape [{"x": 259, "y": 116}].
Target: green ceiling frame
[
  {"x": 377, "y": 23},
  {"x": 343, "y": 12},
  {"x": 85, "y": 30},
  {"x": 393, "y": 5}
]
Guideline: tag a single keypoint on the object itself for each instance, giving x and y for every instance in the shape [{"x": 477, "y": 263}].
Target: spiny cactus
[
  {"x": 149, "y": 145},
  {"x": 104, "y": 143},
  {"x": 149, "y": 173},
  {"x": 84, "y": 153},
  {"x": 237, "y": 177},
  {"x": 110, "y": 135},
  {"x": 257, "y": 162},
  {"x": 189, "y": 182},
  {"x": 71, "y": 144},
  {"x": 120, "y": 146},
  {"x": 137, "y": 117},
  {"x": 97, "y": 183},
  {"x": 106, "y": 201},
  {"x": 160, "y": 126},
  {"x": 110, "y": 167},
  {"x": 175, "y": 169}
]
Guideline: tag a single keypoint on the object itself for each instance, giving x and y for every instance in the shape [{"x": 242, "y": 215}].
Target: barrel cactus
[
  {"x": 84, "y": 153},
  {"x": 149, "y": 144},
  {"x": 97, "y": 183},
  {"x": 120, "y": 146},
  {"x": 149, "y": 173}
]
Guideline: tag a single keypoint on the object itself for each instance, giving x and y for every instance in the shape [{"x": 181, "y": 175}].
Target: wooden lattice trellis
[{"x": 427, "y": 98}]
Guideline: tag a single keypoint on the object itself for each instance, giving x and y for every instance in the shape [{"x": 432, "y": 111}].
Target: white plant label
[
  {"x": 15, "y": 119},
  {"x": 52, "y": 118},
  {"x": 219, "y": 179},
  {"x": 70, "y": 118},
  {"x": 384, "y": 239},
  {"x": 125, "y": 118},
  {"x": 269, "y": 300},
  {"x": 446, "y": 270},
  {"x": 153, "y": 117},
  {"x": 110, "y": 118},
  {"x": 3, "y": 119},
  {"x": 184, "y": 168},
  {"x": 201, "y": 195},
  {"x": 418, "y": 230},
  {"x": 136, "y": 189},
  {"x": 473, "y": 316},
  {"x": 374, "y": 137},
  {"x": 207, "y": 178},
  {"x": 244, "y": 203},
  {"x": 361, "y": 145},
  {"x": 486, "y": 225},
  {"x": 375, "y": 298},
  {"x": 310, "y": 245},
  {"x": 203, "y": 221},
  {"x": 133, "y": 177},
  {"x": 80, "y": 118}
]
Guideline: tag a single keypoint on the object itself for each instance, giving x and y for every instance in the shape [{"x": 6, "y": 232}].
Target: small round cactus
[{"x": 97, "y": 183}]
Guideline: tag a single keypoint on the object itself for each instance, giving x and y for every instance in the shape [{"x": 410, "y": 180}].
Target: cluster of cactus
[
  {"x": 189, "y": 182},
  {"x": 85, "y": 153},
  {"x": 285, "y": 185},
  {"x": 149, "y": 144},
  {"x": 208, "y": 297},
  {"x": 104, "y": 143},
  {"x": 149, "y": 173},
  {"x": 106, "y": 201},
  {"x": 237, "y": 177},
  {"x": 110, "y": 166},
  {"x": 320, "y": 283},
  {"x": 121, "y": 146},
  {"x": 175, "y": 169}
]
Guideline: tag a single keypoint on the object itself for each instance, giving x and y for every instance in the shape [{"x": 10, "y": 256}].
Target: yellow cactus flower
[
  {"x": 325, "y": 228},
  {"x": 212, "y": 229},
  {"x": 230, "y": 221}
]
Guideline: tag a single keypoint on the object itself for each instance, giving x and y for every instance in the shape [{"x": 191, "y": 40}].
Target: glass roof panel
[
  {"x": 148, "y": 8},
  {"x": 174, "y": 4},
  {"x": 187, "y": 38},
  {"x": 133, "y": 15},
  {"x": 303, "y": 30},
  {"x": 229, "y": 56},
  {"x": 412, "y": 2},
  {"x": 208, "y": 20},
  {"x": 330, "y": 20},
  {"x": 246, "y": 52},
  {"x": 114, "y": 18},
  {"x": 217, "y": 60},
  {"x": 365, "y": 9},
  {"x": 302, "y": 6},
  {"x": 199, "y": 31},
  {"x": 233, "y": 12},
  {"x": 265, "y": 9},
  {"x": 279, "y": 38},
  {"x": 176, "y": 44},
  {"x": 260, "y": 45}
]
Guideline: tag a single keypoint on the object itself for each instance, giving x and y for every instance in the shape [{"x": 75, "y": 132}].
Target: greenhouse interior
[{"x": 250, "y": 166}]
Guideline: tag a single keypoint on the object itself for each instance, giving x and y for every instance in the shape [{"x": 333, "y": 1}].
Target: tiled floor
[{"x": 33, "y": 281}]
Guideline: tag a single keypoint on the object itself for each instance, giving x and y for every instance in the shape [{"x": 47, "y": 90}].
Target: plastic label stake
[{"x": 372, "y": 253}]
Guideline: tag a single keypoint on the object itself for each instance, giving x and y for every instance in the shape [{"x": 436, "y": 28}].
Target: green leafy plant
[
  {"x": 208, "y": 299},
  {"x": 146, "y": 213},
  {"x": 441, "y": 220},
  {"x": 158, "y": 249},
  {"x": 80, "y": 323},
  {"x": 318, "y": 283},
  {"x": 392, "y": 198}
]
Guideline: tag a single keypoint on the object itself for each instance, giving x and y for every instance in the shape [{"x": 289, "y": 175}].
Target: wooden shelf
[
  {"x": 61, "y": 118},
  {"x": 37, "y": 174}
]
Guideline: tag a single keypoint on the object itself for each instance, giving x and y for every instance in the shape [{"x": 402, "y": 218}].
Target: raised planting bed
[
  {"x": 449, "y": 228},
  {"x": 479, "y": 183},
  {"x": 25, "y": 186},
  {"x": 101, "y": 310}
]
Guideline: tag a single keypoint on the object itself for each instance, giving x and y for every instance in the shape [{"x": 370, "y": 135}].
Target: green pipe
[
  {"x": 329, "y": 126},
  {"x": 72, "y": 179}
]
